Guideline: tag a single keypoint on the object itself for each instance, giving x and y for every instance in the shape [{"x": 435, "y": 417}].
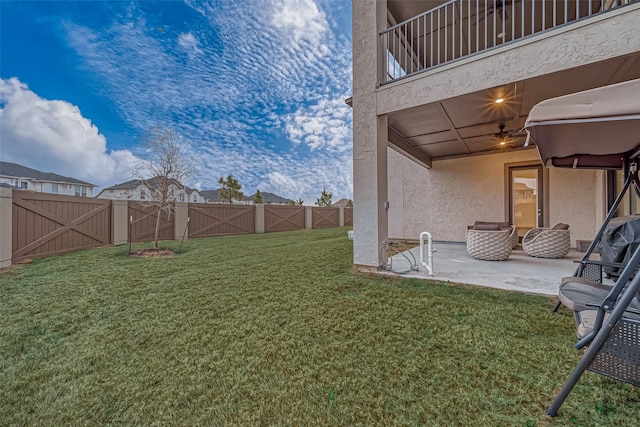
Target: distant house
[
  {"x": 342, "y": 203},
  {"x": 270, "y": 199},
  {"x": 139, "y": 189},
  {"x": 25, "y": 178},
  {"x": 213, "y": 196}
]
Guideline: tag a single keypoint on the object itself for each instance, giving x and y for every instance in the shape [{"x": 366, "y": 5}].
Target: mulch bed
[{"x": 152, "y": 253}]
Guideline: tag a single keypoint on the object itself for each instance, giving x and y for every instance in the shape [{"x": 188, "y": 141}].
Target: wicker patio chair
[
  {"x": 515, "y": 239},
  {"x": 544, "y": 242},
  {"x": 489, "y": 245},
  {"x": 495, "y": 225}
]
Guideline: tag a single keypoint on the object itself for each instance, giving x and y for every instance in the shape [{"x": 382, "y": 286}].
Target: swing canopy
[{"x": 597, "y": 128}]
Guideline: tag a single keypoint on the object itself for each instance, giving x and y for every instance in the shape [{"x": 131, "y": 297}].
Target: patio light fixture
[{"x": 499, "y": 100}]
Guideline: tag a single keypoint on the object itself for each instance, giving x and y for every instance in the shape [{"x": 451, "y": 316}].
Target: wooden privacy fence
[
  {"x": 143, "y": 226},
  {"x": 36, "y": 225},
  {"x": 348, "y": 216},
  {"x": 283, "y": 218},
  {"x": 48, "y": 224},
  {"x": 325, "y": 217},
  {"x": 208, "y": 220}
]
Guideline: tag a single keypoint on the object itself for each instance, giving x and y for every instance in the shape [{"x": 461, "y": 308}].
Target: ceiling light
[
  {"x": 503, "y": 142},
  {"x": 501, "y": 35},
  {"x": 499, "y": 100}
]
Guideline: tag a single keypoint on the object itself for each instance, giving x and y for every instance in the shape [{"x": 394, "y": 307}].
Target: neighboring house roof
[
  {"x": 341, "y": 202},
  {"x": 135, "y": 183},
  {"x": 210, "y": 195},
  {"x": 213, "y": 196},
  {"x": 270, "y": 198},
  {"x": 128, "y": 185},
  {"x": 19, "y": 171}
]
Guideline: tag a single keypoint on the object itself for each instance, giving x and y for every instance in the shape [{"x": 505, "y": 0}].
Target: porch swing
[{"x": 598, "y": 129}]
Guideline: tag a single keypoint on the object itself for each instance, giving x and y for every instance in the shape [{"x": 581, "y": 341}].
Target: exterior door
[{"x": 525, "y": 198}]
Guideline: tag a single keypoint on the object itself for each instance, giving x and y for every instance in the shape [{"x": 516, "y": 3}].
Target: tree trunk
[{"x": 156, "y": 234}]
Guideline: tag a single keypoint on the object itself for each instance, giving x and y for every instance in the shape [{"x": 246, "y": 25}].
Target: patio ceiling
[{"x": 468, "y": 124}]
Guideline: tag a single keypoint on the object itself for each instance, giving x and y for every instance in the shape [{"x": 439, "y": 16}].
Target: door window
[{"x": 525, "y": 198}]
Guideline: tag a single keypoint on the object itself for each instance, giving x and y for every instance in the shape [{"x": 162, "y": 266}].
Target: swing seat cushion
[{"x": 583, "y": 297}]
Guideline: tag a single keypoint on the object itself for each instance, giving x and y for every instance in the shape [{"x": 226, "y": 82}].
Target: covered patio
[{"x": 522, "y": 273}]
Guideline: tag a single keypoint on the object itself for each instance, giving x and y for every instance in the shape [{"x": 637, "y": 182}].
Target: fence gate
[
  {"x": 221, "y": 220},
  {"x": 325, "y": 217},
  {"x": 144, "y": 223},
  {"x": 50, "y": 224},
  {"x": 283, "y": 218}
]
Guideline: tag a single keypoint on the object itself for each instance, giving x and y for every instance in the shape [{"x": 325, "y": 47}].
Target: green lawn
[{"x": 276, "y": 329}]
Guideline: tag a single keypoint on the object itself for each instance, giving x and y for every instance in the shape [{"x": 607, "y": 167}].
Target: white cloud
[
  {"x": 300, "y": 19},
  {"x": 53, "y": 136},
  {"x": 189, "y": 43},
  {"x": 327, "y": 124},
  {"x": 281, "y": 181}
]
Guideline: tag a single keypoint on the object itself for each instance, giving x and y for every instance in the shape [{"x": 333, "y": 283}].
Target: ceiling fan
[
  {"x": 505, "y": 138},
  {"x": 497, "y": 6}
]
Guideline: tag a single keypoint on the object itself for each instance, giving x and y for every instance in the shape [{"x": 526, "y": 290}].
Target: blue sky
[{"x": 256, "y": 86}]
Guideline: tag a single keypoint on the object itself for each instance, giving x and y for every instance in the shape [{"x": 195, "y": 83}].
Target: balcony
[{"x": 459, "y": 29}]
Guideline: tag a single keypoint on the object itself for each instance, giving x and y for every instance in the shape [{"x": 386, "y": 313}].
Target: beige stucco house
[
  {"x": 441, "y": 91},
  {"x": 145, "y": 190},
  {"x": 24, "y": 178}
]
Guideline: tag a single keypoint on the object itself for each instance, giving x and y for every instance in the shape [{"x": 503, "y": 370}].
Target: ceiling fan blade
[{"x": 493, "y": 8}]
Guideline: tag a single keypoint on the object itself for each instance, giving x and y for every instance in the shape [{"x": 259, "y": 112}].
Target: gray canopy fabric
[{"x": 596, "y": 128}]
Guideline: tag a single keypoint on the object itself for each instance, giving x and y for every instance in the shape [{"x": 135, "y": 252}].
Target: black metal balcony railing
[{"x": 461, "y": 28}]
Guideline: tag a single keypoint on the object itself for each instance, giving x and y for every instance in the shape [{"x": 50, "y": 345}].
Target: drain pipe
[{"x": 427, "y": 265}]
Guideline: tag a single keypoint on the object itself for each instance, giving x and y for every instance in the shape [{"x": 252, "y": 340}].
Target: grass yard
[{"x": 275, "y": 329}]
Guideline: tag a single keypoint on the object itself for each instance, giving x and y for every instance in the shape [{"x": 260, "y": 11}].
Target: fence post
[
  {"x": 259, "y": 218},
  {"x": 308, "y": 217},
  {"x": 340, "y": 216},
  {"x": 180, "y": 223},
  {"x": 6, "y": 227},
  {"x": 119, "y": 222}
]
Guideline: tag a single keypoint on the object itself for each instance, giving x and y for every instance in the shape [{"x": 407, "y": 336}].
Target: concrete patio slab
[{"x": 451, "y": 263}]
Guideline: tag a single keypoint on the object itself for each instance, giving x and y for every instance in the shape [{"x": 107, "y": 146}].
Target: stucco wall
[
  {"x": 575, "y": 199},
  {"x": 455, "y": 193}
]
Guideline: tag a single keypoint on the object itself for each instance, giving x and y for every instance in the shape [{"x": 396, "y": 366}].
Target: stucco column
[
  {"x": 370, "y": 181},
  {"x": 259, "y": 218},
  {"x": 6, "y": 226},
  {"x": 180, "y": 224},
  {"x": 370, "y": 136},
  {"x": 308, "y": 217},
  {"x": 119, "y": 222}
]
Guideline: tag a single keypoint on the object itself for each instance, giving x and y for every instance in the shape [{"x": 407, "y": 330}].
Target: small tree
[
  {"x": 349, "y": 203},
  {"x": 257, "y": 199},
  {"x": 231, "y": 189},
  {"x": 165, "y": 170},
  {"x": 325, "y": 198},
  {"x": 298, "y": 202}
]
